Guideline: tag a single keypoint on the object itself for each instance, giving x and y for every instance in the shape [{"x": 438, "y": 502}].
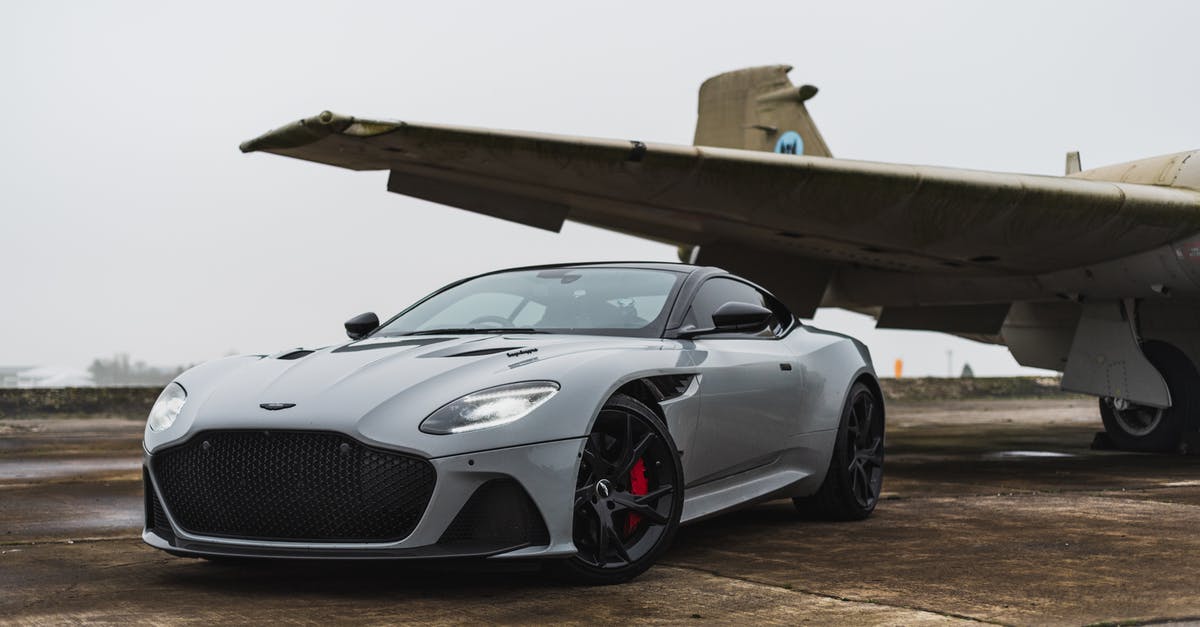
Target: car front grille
[{"x": 292, "y": 486}]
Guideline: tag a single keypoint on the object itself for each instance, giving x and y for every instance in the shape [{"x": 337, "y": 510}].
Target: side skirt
[{"x": 798, "y": 471}]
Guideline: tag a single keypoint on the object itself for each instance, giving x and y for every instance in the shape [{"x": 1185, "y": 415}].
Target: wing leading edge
[{"x": 899, "y": 217}]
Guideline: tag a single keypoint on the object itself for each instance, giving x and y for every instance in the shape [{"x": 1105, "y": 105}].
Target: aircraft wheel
[
  {"x": 855, "y": 477},
  {"x": 1133, "y": 427}
]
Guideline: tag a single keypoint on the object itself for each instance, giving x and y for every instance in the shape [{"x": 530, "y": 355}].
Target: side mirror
[
  {"x": 362, "y": 324},
  {"x": 735, "y": 317},
  {"x": 741, "y": 317}
]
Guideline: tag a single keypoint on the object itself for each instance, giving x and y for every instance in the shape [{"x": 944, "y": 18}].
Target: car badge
[{"x": 276, "y": 406}]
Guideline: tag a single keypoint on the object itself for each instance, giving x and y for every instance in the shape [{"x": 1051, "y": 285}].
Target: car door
[{"x": 750, "y": 386}]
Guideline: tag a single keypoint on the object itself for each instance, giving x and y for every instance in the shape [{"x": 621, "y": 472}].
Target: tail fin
[{"x": 758, "y": 109}]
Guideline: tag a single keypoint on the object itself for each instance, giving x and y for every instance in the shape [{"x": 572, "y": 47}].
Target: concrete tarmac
[{"x": 994, "y": 511}]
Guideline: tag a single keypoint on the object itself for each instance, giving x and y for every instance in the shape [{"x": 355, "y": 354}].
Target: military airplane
[{"x": 1095, "y": 274}]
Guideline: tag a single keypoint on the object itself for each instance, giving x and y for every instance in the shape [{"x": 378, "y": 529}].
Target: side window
[
  {"x": 783, "y": 315},
  {"x": 716, "y": 292}
]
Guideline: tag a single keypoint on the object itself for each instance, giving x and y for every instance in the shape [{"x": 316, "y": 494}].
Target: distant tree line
[{"x": 119, "y": 370}]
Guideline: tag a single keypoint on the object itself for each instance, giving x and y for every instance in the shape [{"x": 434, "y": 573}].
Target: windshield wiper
[{"x": 472, "y": 330}]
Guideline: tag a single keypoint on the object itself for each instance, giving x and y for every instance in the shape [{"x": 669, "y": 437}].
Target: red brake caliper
[{"x": 637, "y": 485}]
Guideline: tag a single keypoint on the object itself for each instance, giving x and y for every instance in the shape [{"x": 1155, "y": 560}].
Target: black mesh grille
[
  {"x": 291, "y": 485},
  {"x": 162, "y": 526},
  {"x": 499, "y": 511},
  {"x": 156, "y": 517},
  {"x": 148, "y": 496}
]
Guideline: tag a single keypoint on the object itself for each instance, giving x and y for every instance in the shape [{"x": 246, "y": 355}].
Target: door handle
[{"x": 785, "y": 366}]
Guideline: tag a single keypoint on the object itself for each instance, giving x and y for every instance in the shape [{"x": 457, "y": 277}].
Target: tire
[
  {"x": 1138, "y": 428},
  {"x": 628, "y": 497},
  {"x": 854, "y": 480}
]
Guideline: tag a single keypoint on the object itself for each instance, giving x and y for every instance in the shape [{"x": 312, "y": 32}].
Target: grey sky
[{"x": 130, "y": 222}]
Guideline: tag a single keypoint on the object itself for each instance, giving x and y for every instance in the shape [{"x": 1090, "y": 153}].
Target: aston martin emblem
[{"x": 276, "y": 406}]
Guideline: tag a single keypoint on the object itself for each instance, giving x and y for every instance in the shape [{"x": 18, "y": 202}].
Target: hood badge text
[{"x": 276, "y": 406}]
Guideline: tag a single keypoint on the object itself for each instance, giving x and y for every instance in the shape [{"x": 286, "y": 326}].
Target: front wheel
[
  {"x": 628, "y": 495},
  {"x": 855, "y": 476}
]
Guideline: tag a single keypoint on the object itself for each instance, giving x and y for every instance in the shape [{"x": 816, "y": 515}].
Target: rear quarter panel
[{"x": 829, "y": 364}]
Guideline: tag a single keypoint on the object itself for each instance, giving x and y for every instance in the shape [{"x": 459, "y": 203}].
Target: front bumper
[{"x": 546, "y": 472}]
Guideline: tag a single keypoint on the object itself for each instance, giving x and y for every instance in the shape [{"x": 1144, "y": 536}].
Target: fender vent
[
  {"x": 296, "y": 354},
  {"x": 670, "y": 386}
]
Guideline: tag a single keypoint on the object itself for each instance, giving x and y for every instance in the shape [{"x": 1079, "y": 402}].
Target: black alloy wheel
[
  {"x": 855, "y": 476},
  {"x": 628, "y": 495}
]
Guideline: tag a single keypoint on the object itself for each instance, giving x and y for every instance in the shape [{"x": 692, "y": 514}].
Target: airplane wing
[{"x": 896, "y": 217}]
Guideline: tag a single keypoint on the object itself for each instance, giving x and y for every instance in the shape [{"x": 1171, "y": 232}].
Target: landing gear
[
  {"x": 628, "y": 497},
  {"x": 1133, "y": 427}
]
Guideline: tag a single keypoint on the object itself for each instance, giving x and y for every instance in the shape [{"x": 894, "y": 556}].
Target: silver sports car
[{"x": 573, "y": 414}]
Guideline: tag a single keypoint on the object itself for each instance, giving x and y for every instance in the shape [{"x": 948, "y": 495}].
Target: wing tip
[{"x": 299, "y": 133}]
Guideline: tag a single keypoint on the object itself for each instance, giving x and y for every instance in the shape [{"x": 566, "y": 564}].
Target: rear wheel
[
  {"x": 1133, "y": 427},
  {"x": 628, "y": 496},
  {"x": 855, "y": 476}
]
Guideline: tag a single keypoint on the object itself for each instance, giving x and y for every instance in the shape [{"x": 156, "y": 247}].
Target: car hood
[{"x": 376, "y": 386}]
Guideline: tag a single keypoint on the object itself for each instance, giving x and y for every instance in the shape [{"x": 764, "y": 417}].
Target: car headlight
[
  {"x": 166, "y": 409},
  {"x": 489, "y": 408}
]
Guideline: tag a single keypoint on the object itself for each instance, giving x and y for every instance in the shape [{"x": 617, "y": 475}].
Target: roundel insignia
[{"x": 790, "y": 143}]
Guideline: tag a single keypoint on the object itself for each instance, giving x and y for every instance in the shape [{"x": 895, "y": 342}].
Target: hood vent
[
  {"x": 350, "y": 348},
  {"x": 483, "y": 351},
  {"x": 296, "y": 354}
]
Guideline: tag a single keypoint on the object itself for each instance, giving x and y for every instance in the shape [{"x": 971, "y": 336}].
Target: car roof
[
  {"x": 693, "y": 277},
  {"x": 667, "y": 266}
]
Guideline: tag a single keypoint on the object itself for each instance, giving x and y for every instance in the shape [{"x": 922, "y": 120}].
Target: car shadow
[{"x": 353, "y": 579}]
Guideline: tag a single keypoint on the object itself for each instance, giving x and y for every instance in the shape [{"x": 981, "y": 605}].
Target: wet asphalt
[{"x": 994, "y": 511}]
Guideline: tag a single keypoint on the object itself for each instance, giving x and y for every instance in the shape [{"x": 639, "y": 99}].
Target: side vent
[
  {"x": 156, "y": 517},
  {"x": 670, "y": 386},
  {"x": 499, "y": 514},
  {"x": 296, "y": 354}
]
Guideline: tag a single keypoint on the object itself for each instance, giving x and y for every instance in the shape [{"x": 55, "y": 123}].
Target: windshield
[{"x": 602, "y": 301}]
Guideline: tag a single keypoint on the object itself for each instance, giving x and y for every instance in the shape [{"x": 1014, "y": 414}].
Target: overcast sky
[{"x": 130, "y": 222}]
